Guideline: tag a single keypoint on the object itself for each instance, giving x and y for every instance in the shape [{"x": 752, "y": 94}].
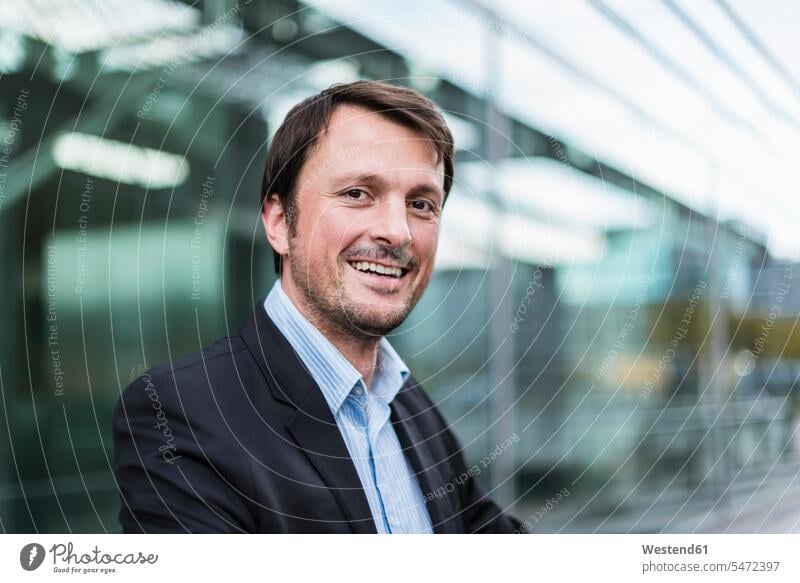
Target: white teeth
[{"x": 374, "y": 267}]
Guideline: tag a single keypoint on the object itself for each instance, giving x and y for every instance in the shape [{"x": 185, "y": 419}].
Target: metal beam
[{"x": 28, "y": 170}]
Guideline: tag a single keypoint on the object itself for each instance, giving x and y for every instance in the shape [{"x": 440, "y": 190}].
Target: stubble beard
[{"x": 332, "y": 309}]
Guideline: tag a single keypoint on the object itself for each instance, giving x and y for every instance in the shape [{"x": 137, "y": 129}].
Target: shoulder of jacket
[
  {"x": 178, "y": 375},
  {"x": 226, "y": 346}
]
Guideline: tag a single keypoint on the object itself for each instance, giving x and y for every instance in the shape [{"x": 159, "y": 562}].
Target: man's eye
[
  {"x": 422, "y": 205},
  {"x": 355, "y": 193}
]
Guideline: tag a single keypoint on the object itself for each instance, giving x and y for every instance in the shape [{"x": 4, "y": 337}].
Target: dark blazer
[{"x": 238, "y": 438}]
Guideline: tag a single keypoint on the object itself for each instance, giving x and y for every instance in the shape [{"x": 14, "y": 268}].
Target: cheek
[
  {"x": 426, "y": 238},
  {"x": 333, "y": 233}
]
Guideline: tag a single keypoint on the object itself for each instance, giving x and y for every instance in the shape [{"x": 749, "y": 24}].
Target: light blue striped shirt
[{"x": 391, "y": 487}]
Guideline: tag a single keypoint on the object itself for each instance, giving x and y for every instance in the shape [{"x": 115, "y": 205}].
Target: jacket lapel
[
  {"x": 423, "y": 464},
  {"x": 312, "y": 425},
  {"x": 315, "y": 431}
]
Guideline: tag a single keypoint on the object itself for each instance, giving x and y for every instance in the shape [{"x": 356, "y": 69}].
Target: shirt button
[{"x": 357, "y": 391}]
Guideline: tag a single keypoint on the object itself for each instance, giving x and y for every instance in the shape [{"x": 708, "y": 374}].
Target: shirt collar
[{"x": 333, "y": 373}]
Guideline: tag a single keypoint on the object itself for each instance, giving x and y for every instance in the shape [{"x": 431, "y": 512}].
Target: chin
[{"x": 366, "y": 319}]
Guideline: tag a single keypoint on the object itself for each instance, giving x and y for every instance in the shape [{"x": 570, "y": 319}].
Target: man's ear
[{"x": 274, "y": 220}]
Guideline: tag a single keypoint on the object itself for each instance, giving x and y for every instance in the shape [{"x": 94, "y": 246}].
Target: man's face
[{"x": 369, "y": 197}]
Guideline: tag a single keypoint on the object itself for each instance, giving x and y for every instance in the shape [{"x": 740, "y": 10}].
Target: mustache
[{"x": 399, "y": 256}]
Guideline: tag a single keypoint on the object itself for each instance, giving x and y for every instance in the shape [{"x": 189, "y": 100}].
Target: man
[{"x": 308, "y": 420}]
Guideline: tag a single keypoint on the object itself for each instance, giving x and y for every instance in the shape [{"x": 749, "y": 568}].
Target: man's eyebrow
[
  {"x": 379, "y": 181},
  {"x": 359, "y": 178},
  {"x": 426, "y": 189}
]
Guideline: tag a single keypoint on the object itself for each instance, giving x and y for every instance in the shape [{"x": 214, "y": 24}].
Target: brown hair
[{"x": 298, "y": 134}]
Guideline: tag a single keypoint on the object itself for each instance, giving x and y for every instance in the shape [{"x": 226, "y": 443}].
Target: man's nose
[{"x": 390, "y": 224}]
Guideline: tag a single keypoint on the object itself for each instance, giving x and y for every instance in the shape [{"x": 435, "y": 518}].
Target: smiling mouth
[{"x": 379, "y": 270}]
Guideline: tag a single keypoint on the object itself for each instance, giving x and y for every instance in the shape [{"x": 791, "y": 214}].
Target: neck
[{"x": 360, "y": 350}]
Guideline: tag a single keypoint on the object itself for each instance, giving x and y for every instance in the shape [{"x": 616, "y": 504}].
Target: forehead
[{"x": 355, "y": 134}]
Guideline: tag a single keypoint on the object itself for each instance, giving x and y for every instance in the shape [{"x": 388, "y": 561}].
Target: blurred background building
[{"x": 615, "y": 289}]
